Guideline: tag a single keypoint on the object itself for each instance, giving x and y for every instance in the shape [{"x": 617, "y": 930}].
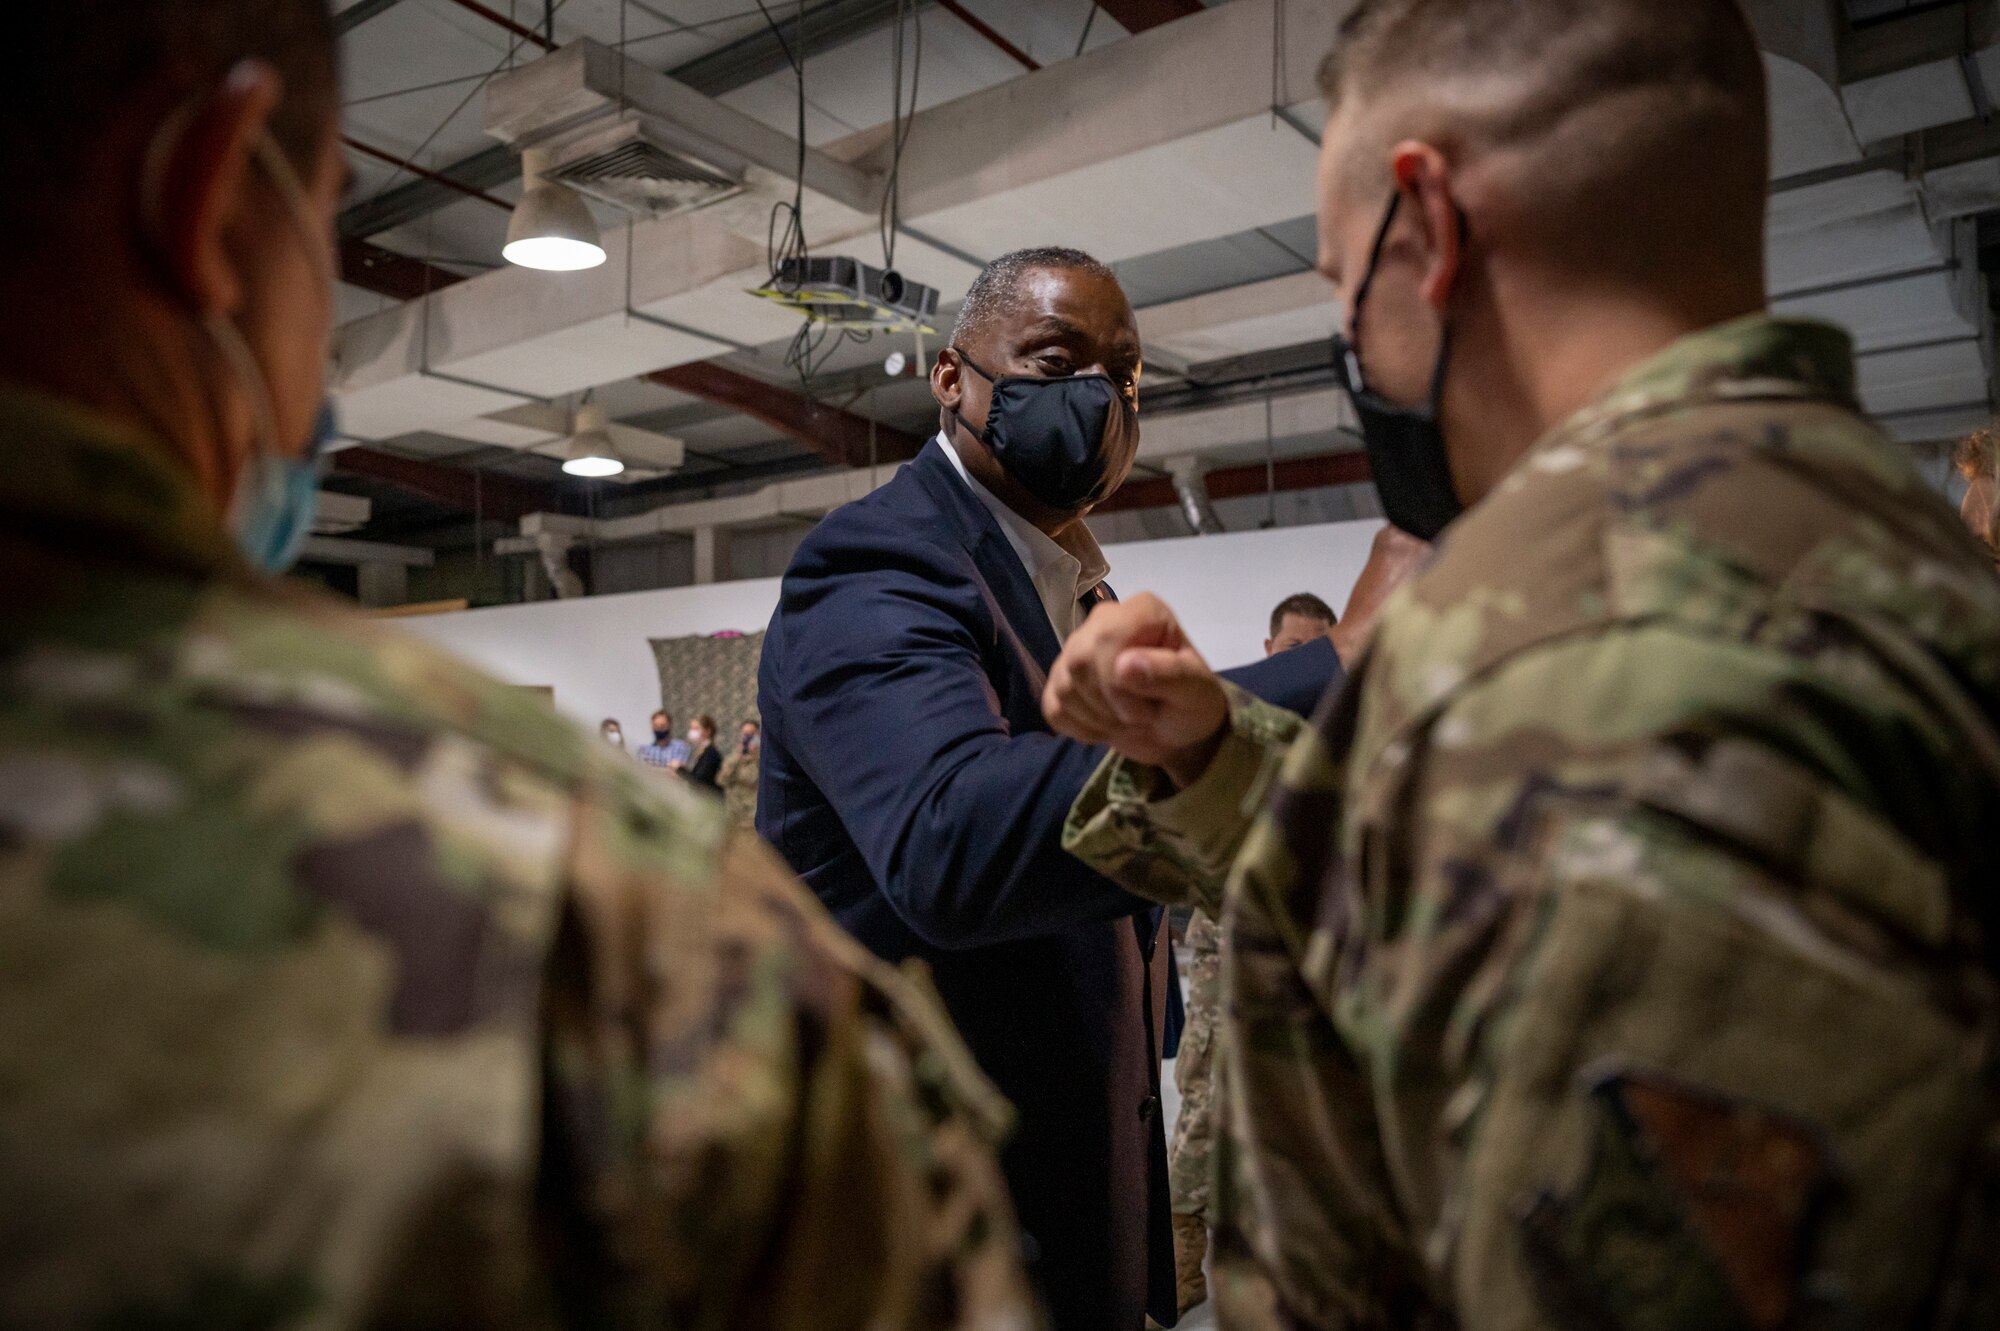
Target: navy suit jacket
[{"x": 910, "y": 780}]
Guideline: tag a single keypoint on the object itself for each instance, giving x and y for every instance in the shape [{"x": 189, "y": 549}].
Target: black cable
[
  {"x": 790, "y": 243},
  {"x": 1090, "y": 19},
  {"x": 901, "y": 122}
]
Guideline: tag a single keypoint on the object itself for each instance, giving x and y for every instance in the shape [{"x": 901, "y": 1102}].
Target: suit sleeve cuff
[{"x": 1176, "y": 847}]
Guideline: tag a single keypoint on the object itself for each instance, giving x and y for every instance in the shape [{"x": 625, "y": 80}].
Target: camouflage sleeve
[
  {"x": 1177, "y": 848},
  {"x": 751, "y": 1121}
]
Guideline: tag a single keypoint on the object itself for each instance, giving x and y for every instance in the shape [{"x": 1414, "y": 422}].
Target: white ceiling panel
[
  {"x": 1215, "y": 183},
  {"x": 1810, "y": 129},
  {"x": 1900, "y": 240},
  {"x": 1921, "y": 377},
  {"x": 1921, "y": 97},
  {"x": 1881, "y": 315}
]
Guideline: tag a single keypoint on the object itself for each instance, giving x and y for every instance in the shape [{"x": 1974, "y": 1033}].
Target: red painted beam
[
  {"x": 388, "y": 273},
  {"x": 525, "y": 34},
  {"x": 1235, "y": 482},
  {"x": 840, "y": 436},
  {"x": 370, "y": 150},
  {"x": 490, "y": 496},
  {"x": 1139, "y": 15},
  {"x": 986, "y": 30}
]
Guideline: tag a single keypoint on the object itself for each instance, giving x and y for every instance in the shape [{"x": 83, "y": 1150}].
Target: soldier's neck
[{"x": 1538, "y": 360}]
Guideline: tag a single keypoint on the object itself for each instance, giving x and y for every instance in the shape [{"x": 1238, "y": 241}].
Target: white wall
[{"x": 595, "y": 653}]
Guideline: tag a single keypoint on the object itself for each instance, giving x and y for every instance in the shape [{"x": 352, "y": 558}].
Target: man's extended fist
[{"x": 1129, "y": 679}]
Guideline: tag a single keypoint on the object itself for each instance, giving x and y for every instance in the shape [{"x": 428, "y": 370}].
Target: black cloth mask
[
  {"x": 662, "y": 736},
  {"x": 1054, "y": 436},
  {"x": 1405, "y": 445}
]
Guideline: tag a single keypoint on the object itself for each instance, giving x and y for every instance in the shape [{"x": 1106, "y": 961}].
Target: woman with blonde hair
[{"x": 1979, "y": 462}]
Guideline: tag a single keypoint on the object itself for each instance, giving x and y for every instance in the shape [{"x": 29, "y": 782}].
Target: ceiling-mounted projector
[{"x": 847, "y": 292}]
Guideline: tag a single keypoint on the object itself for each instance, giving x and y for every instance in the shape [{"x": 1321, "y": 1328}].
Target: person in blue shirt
[{"x": 666, "y": 750}]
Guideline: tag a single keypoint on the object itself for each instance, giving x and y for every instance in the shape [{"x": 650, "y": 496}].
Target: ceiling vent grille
[{"x": 633, "y": 169}]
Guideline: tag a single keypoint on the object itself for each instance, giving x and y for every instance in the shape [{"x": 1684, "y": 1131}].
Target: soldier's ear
[{"x": 1424, "y": 175}]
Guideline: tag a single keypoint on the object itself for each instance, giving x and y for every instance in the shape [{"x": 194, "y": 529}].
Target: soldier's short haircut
[
  {"x": 68, "y": 67},
  {"x": 1306, "y": 606},
  {"x": 996, "y": 291},
  {"x": 1621, "y": 112}
]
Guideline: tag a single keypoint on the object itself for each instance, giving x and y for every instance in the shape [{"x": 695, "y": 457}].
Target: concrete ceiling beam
[
  {"x": 839, "y": 436},
  {"x": 467, "y": 491}
]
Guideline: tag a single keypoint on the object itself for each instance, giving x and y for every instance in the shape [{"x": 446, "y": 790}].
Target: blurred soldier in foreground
[
  {"x": 340, "y": 986},
  {"x": 1618, "y": 951}
]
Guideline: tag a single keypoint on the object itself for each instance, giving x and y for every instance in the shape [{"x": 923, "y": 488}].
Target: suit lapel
[{"x": 1013, "y": 592}]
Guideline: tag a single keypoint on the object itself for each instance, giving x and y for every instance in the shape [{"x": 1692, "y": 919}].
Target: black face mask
[
  {"x": 1055, "y": 436},
  {"x": 1405, "y": 445},
  {"x": 662, "y": 736}
]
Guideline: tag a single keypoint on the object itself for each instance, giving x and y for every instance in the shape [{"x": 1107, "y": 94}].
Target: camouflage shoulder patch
[{"x": 1696, "y": 1210}]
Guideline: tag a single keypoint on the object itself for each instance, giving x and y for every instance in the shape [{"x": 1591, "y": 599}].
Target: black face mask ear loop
[
  {"x": 1353, "y": 343},
  {"x": 959, "y": 420}
]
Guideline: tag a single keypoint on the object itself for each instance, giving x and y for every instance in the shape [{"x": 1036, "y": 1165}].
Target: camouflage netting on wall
[{"x": 713, "y": 675}]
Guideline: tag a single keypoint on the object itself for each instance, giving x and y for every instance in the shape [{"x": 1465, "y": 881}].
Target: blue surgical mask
[{"x": 277, "y": 499}]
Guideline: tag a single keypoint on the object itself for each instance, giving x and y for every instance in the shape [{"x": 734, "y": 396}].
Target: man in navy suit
[{"x": 909, "y": 777}]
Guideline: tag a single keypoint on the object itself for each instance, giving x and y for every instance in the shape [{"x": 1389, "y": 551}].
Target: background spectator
[
  {"x": 1299, "y": 620},
  {"x": 665, "y": 750},
  {"x": 706, "y": 763},
  {"x": 739, "y": 778}
]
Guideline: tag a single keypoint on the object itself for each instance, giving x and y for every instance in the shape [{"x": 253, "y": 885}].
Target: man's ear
[
  {"x": 201, "y": 187},
  {"x": 947, "y": 380},
  {"x": 1423, "y": 174}
]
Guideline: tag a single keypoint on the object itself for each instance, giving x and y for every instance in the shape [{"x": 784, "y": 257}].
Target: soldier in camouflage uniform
[
  {"x": 1619, "y": 950},
  {"x": 339, "y": 985},
  {"x": 739, "y": 778}
]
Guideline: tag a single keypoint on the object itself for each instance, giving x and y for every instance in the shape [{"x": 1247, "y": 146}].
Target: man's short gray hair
[{"x": 997, "y": 288}]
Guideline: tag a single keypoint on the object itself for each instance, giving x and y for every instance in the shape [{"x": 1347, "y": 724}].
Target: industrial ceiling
[{"x": 1175, "y": 140}]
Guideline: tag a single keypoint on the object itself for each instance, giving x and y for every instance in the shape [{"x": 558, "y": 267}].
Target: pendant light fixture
[
  {"x": 551, "y": 229},
  {"x": 590, "y": 452}
]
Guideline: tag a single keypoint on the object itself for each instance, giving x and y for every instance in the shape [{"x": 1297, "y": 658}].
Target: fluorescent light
[
  {"x": 550, "y": 229},
  {"x": 593, "y": 466},
  {"x": 553, "y": 254},
  {"x": 590, "y": 451}
]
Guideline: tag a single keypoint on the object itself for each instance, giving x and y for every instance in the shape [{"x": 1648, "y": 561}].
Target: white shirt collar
[{"x": 1063, "y": 572}]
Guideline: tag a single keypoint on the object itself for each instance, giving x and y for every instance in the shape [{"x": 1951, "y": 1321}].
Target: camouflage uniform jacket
[
  {"x": 1617, "y": 950},
  {"x": 343, "y": 987},
  {"x": 739, "y": 789}
]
